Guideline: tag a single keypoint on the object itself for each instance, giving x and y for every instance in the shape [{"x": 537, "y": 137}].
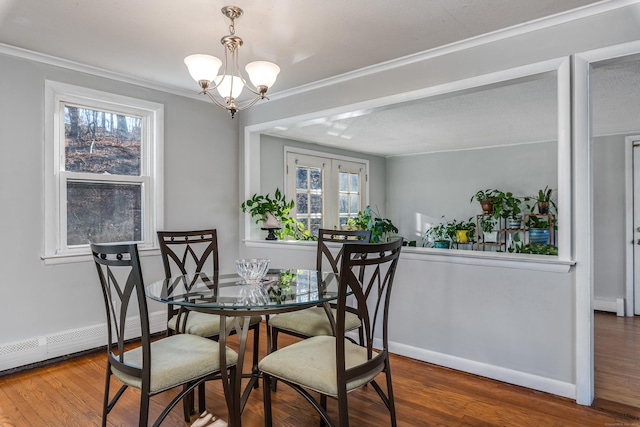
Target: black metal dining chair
[
  {"x": 190, "y": 252},
  {"x": 153, "y": 367},
  {"x": 334, "y": 365},
  {"x": 314, "y": 321}
]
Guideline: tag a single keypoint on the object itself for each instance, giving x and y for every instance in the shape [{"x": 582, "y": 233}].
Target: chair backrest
[
  {"x": 368, "y": 270},
  {"x": 337, "y": 236},
  {"x": 120, "y": 276},
  {"x": 188, "y": 252}
]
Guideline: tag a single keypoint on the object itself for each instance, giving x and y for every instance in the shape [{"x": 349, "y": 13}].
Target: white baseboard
[
  {"x": 523, "y": 379},
  {"x": 612, "y": 305},
  {"x": 39, "y": 349}
]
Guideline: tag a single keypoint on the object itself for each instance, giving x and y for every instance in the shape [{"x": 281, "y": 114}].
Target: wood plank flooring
[
  {"x": 617, "y": 363},
  {"x": 69, "y": 393}
]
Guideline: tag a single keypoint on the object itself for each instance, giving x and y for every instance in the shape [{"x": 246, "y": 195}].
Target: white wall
[
  {"x": 495, "y": 321},
  {"x": 201, "y": 190}
]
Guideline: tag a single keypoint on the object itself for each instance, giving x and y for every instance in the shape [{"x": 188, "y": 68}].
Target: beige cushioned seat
[
  {"x": 311, "y": 322},
  {"x": 205, "y": 325},
  {"x": 198, "y": 357},
  {"x": 311, "y": 363}
]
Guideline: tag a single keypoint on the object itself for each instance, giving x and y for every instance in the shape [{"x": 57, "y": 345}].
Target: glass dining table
[{"x": 280, "y": 291}]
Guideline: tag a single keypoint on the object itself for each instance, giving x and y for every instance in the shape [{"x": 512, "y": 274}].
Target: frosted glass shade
[
  {"x": 225, "y": 88},
  {"x": 202, "y": 67},
  {"x": 262, "y": 73}
]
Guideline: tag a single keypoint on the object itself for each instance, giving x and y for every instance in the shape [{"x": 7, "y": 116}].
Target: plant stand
[{"x": 271, "y": 235}]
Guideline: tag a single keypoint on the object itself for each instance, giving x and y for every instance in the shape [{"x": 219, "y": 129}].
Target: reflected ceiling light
[{"x": 204, "y": 70}]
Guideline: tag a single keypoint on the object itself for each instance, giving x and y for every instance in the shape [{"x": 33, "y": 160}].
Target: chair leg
[
  {"x": 105, "y": 405},
  {"x": 392, "y": 406},
  {"x": 266, "y": 390},
  {"x": 202, "y": 404},
  {"x": 343, "y": 408},
  {"x": 144, "y": 408},
  {"x": 256, "y": 348},
  {"x": 187, "y": 405},
  {"x": 323, "y": 404},
  {"x": 274, "y": 347}
]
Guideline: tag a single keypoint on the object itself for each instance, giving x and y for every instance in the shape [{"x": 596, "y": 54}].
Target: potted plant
[
  {"x": 441, "y": 235},
  {"x": 272, "y": 211},
  {"x": 538, "y": 230},
  {"x": 368, "y": 219},
  {"x": 486, "y": 199},
  {"x": 489, "y": 233},
  {"x": 508, "y": 206},
  {"x": 464, "y": 230},
  {"x": 544, "y": 201}
]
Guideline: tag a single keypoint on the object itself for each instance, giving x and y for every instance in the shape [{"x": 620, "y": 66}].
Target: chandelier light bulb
[
  {"x": 262, "y": 73},
  {"x": 229, "y": 86},
  {"x": 202, "y": 67}
]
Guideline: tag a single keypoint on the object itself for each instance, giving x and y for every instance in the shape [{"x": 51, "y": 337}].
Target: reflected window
[{"x": 328, "y": 191}]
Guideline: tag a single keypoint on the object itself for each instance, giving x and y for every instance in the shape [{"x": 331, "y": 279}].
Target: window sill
[
  {"x": 86, "y": 257},
  {"x": 452, "y": 256}
]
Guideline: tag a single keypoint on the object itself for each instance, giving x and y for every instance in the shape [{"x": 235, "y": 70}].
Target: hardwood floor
[
  {"x": 69, "y": 393},
  {"x": 617, "y": 363}
]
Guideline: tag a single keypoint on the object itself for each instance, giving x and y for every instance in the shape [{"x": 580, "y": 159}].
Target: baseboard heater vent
[{"x": 33, "y": 350}]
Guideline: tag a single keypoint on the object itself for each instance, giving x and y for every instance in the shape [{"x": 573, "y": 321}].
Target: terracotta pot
[
  {"x": 543, "y": 207},
  {"x": 487, "y": 206}
]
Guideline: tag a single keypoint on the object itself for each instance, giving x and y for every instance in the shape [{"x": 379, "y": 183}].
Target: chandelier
[{"x": 204, "y": 70}]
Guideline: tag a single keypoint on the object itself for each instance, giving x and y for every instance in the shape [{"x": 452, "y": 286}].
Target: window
[
  {"x": 328, "y": 190},
  {"x": 103, "y": 177}
]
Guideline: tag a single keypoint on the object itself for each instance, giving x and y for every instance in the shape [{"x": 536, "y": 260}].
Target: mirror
[{"x": 439, "y": 150}]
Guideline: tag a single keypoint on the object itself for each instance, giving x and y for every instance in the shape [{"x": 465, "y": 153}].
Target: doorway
[{"x": 615, "y": 145}]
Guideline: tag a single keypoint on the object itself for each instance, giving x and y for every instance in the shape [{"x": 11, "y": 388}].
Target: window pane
[
  {"x": 305, "y": 221},
  {"x": 302, "y": 203},
  {"x": 344, "y": 181},
  {"x": 316, "y": 178},
  {"x": 354, "y": 187},
  {"x": 101, "y": 141},
  {"x": 316, "y": 203},
  {"x": 343, "y": 203},
  {"x": 343, "y": 220},
  {"x": 316, "y": 224},
  {"x": 355, "y": 203},
  {"x": 103, "y": 212},
  {"x": 302, "y": 180}
]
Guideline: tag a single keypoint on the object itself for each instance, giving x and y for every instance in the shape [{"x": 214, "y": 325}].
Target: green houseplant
[
  {"x": 488, "y": 224},
  {"x": 464, "y": 230},
  {"x": 539, "y": 232},
  {"x": 368, "y": 219},
  {"x": 262, "y": 207},
  {"x": 486, "y": 199},
  {"x": 543, "y": 200},
  {"x": 508, "y": 206},
  {"x": 274, "y": 213},
  {"x": 441, "y": 235}
]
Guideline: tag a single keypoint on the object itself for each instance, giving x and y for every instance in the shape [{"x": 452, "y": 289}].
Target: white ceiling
[{"x": 310, "y": 40}]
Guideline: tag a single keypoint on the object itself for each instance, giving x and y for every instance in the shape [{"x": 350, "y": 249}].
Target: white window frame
[
  {"x": 332, "y": 165},
  {"x": 151, "y": 176}
]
